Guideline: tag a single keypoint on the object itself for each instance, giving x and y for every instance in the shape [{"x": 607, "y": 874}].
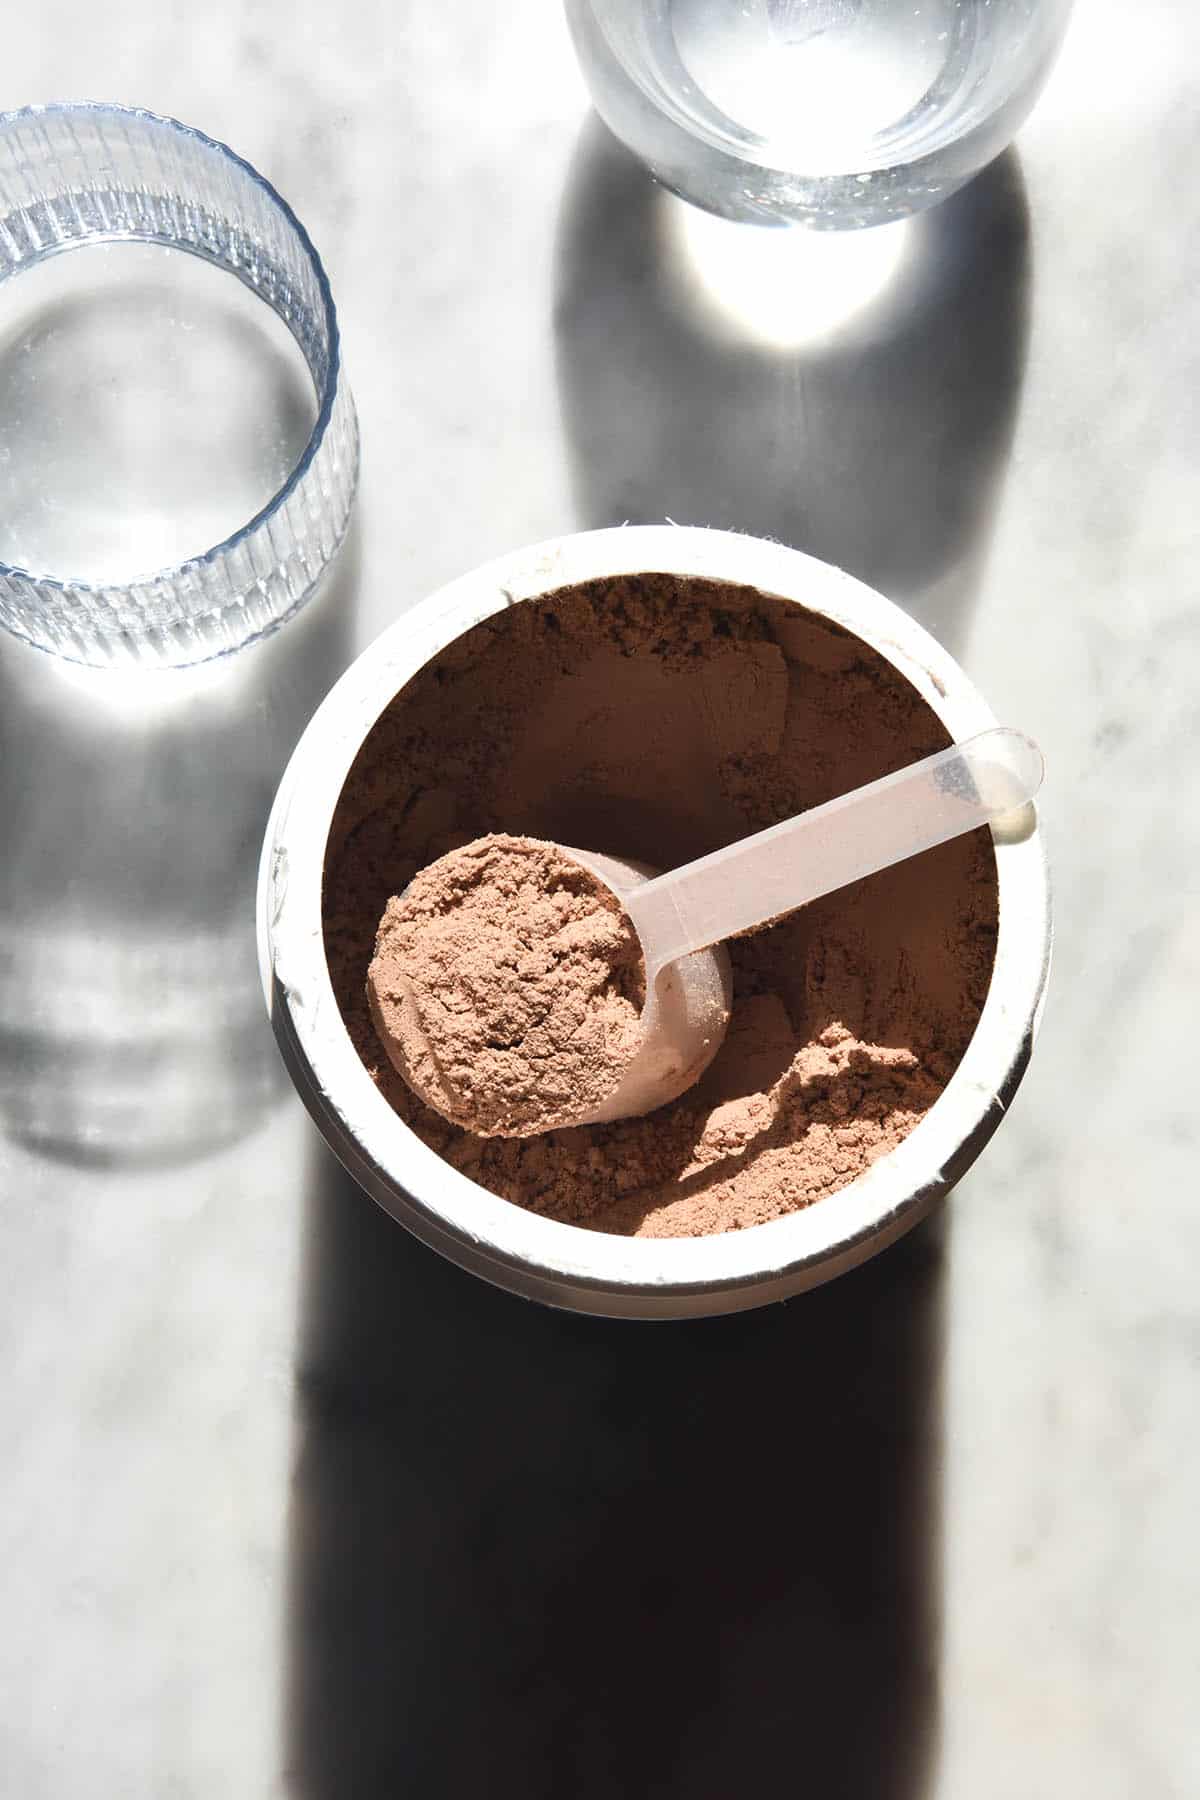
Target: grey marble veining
[{"x": 289, "y": 1507}]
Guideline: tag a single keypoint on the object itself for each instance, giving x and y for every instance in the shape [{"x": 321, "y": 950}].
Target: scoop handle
[{"x": 816, "y": 852}]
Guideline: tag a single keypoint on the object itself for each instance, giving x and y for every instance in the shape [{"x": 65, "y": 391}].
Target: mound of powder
[
  {"x": 658, "y": 719},
  {"x": 507, "y": 987}
]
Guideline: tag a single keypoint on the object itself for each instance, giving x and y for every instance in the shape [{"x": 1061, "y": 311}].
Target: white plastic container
[{"x": 565, "y": 1265}]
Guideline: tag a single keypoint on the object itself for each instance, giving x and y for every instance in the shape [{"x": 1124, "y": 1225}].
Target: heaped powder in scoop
[
  {"x": 657, "y": 719},
  {"x": 507, "y": 987}
]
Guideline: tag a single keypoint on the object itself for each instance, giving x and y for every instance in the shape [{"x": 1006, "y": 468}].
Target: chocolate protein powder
[
  {"x": 507, "y": 987},
  {"x": 658, "y": 719}
]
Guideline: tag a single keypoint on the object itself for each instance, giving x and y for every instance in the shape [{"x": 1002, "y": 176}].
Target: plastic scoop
[{"x": 680, "y": 916}]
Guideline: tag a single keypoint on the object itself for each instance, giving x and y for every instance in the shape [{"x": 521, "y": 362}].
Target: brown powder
[
  {"x": 657, "y": 720},
  {"x": 507, "y": 987}
]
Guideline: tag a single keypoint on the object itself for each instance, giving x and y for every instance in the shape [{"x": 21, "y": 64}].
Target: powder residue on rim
[
  {"x": 507, "y": 986},
  {"x": 658, "y": 719}
]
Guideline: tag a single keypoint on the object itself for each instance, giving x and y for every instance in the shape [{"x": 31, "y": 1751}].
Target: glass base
[{"x": 817, "y": 112}]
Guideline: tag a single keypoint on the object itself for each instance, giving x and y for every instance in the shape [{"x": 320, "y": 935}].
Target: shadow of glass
[
  {"x": 534, "y": 1553},
  {"x": 132, "y": 808},
  {"x": 850, "y": 394}
]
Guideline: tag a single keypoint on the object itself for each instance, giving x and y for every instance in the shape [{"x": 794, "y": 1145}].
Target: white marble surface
[{"x": 238, "y": 1554}]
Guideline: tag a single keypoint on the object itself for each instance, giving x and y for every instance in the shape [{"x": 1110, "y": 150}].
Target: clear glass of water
[
  {"x": 178, "y": 445},
  {"x": 829, "y": 113}
]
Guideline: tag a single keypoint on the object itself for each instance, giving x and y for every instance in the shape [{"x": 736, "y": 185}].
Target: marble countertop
[{"x": 291, "y": 1506}]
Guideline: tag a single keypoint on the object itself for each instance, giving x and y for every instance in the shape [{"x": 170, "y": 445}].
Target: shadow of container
[
  {"x": 533, "y": 1553},
  {"x": 132, "y": 808},
  {"x": 878, "y": 444}
]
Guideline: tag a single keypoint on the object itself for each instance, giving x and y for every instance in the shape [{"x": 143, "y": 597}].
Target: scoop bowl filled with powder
[
  {"x": 654, "y": 694},
  {"x": 507, "y": 987}
]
